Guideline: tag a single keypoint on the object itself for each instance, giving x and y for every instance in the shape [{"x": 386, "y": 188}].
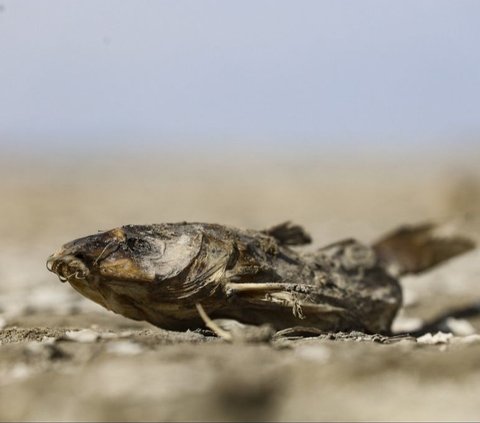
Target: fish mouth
[{"x": 67, "y": 267}]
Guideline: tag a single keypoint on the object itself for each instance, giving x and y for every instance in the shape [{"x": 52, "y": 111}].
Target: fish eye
[{"x": 138, "y": 244}]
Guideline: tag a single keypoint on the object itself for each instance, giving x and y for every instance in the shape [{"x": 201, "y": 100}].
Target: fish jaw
[{"x": 102, "y": 256}]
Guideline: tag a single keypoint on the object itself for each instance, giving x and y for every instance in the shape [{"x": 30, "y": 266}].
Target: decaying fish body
[{"x": 159, "y": 273}]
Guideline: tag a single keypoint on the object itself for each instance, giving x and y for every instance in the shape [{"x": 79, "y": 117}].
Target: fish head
[{"x": 130, "y": 253}]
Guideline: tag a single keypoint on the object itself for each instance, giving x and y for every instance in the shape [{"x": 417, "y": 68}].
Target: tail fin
[{"x": 413, "y": 249}]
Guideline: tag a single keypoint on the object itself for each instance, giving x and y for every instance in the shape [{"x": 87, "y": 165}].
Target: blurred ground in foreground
[{"x": 127, "y": 370}]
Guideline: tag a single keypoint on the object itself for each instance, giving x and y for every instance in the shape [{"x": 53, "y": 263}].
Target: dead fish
[{"x": 173, "y": 275}]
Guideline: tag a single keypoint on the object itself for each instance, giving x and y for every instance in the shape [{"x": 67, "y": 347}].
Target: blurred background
[{"x": 348, "y": 117}]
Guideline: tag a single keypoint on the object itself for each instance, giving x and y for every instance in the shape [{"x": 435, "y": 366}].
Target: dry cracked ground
[{"x": 63, "y": 358}]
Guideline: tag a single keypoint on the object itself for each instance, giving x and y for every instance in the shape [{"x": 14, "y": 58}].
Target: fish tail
[{"x": 415, "y": 248}]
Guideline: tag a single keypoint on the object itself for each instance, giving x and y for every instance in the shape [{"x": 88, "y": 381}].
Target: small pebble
[
  {"x": 48, "y": 340},
  {"x": 438, "y": 338},
  {"x": 406, "y": 324},
  {"x": 83, "y": 336}
]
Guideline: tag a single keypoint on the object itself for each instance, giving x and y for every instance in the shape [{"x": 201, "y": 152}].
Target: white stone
[
  {"x": 406, "y": 324},
  {"x": 83, "y": 336},
  {"x": 438, "y": 338}
]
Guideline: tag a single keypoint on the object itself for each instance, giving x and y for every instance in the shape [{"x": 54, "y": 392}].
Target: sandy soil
[{"x": 64, "y": 358}]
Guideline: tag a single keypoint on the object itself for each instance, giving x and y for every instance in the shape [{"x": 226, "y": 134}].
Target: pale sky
[{"x": 272, "y": 70}]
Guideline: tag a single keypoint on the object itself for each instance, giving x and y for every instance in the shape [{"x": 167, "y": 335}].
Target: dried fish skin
[{"x": 160, "y": 273}]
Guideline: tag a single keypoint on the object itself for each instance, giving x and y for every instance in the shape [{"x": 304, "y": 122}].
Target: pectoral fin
[{"x": 289, "y": 234}]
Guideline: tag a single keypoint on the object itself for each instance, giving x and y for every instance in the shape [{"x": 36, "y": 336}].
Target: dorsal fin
[
  {"x": 287, "y": 233},
  {"x": 416, "y": 248}
]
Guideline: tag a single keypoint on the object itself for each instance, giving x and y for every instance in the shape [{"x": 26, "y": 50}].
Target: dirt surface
[{"x": 64, "y": 358}]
